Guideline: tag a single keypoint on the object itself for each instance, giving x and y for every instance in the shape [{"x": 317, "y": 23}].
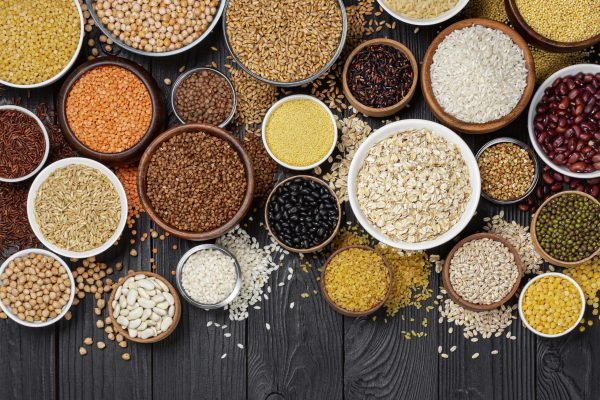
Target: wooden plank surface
[{"x": 310, "y": 352}]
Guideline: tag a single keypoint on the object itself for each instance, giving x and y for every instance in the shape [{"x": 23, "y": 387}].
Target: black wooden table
[{"x": 310, "y": 352}]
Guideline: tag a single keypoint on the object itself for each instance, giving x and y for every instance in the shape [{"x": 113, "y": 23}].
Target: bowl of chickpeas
[{"x": 36, "y": 288}]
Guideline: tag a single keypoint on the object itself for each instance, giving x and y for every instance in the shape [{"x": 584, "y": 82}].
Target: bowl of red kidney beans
[{"x": 564, "y": 121}]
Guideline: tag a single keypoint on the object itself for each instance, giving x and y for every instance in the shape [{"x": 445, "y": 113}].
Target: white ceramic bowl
[
  {"x": 65, "y": 69},
  {"x": 299, "y": 97},
  {"x": 424, "y": 22},
  {"x": 7, "y": 310},
  {"x": 541, "y": 277},
  {"x": 41, "y": 178},
  {"x": 537, "y": 97},
  {"x": 390, "y": 130},
  {"x": 46, "y": 140}
]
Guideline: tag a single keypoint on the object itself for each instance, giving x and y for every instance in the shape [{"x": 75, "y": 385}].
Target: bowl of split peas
[{"x": 110, "y": 109}]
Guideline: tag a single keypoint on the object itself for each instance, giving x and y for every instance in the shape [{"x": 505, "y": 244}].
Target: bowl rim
[
  {"x": 179, "y": 271},
  {"x": 275, "y": 106},
  {"x": 341, "y": 310},
  {"x": 43, "y": 176},
  {"x": 472, "y": 127},
  {"x": 186, "y": 75},
  {"x": 440, "y": 130},
  {"x": 545, "y": 275},
  {"x": 536, "y": 244},
  {"x": 300, "y": 82},
  {"x": 534, "y": 160},
  {"x": 176, "y": 315},
  {"x": 316, "y": 247},
  {"x": 46, "y": 141},
  {"x": 212, "y": 131},
  {"x": 65, "y": 69},
  {"x": 445, "y": 16},
  {"x": 157, "y": 120},
  {"x": 66, "y": 308},
  {"x": 474, "y": 306},
  {"x": 394, "y": 108},
  {"x": 535, "y": 100},
  {"x": 124, "y": 46}
]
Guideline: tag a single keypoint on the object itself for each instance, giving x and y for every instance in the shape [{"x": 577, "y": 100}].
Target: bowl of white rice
[{"x": 423, "y": 12}]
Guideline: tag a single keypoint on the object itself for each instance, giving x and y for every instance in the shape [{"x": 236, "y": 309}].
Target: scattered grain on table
[{"x": 253, "y": 97}]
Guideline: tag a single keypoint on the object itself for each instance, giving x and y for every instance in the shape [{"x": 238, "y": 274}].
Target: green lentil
[
  {"x": 38, "y": 40},
  {"x": 299, "y": 132},
  {"x": 567, "y": 227},
  {"x": 357, "y": 279}
]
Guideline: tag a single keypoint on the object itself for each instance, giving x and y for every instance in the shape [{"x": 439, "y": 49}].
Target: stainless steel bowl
[
  {"x": 311, "y": 78},
  {"x": 109, "y": 34},
  {"x": 534, "y": 159},
  {"x": 228, "y": 299},
  {"x": 185, "y": 76}
]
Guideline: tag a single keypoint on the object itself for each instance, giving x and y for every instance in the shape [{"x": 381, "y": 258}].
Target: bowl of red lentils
[
  {"x": 110, "y": 109},
  {"x": 196, "y": 181}
]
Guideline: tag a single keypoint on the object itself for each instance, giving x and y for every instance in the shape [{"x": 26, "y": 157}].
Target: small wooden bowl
[
  {"x": 536, "y": 243},
  {"x": 472, "y": 306},
  {"x": 386, "y": 111},
  {"x": 157, "y": 122},
  {"x": 310, "y": 249},
  {"x": 540, "y": 41},
  {"x": 352, "y": 313},
  {"x": 162, "y": 335},
  {"x": 210, "y": 130},
  {"x": 453, "y": 122}
]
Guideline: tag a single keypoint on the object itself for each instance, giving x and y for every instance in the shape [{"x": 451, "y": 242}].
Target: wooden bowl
[
  {"x": 538, "y": 247},
  {"x": 353, "y": 313},
  {"x": 385, "y": 111},
  {"x": 540, "y": 41},
  {"x": 472, "y": 306},
  {"x": 124, "y": 332},
  {"x": 157, "y": 122},
  {"x": 310, "y": 249},
  {"x": 468, "y": 127},
  {"x": 210, "y": 130}
]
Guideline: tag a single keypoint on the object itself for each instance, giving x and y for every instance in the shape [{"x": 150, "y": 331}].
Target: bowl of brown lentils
[
  {"x": 36, "y": 288},
  {"x": 196, "y": 181}
]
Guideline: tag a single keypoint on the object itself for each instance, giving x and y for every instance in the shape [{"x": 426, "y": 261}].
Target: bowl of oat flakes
[{"x": 414, "y": 184}]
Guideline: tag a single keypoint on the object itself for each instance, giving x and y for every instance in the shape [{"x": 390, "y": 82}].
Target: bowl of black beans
[{"x": 303, "y": 214}]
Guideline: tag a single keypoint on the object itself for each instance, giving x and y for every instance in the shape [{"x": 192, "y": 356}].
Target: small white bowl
[
  {"x": 522, "y": 296},
  {"x": 537, "y": 97},
  {"x": 425, "y": 22},
  {"x": 65, "y": 69},
  {"x": 390, "y": 130},
  {"x": 299, "y": 97},
  {"x": 46, "y": 140},
  {"x": 66, "y": 308},
  {"x": 41, "y": 178}
]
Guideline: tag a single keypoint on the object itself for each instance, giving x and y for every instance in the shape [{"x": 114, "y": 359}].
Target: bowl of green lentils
[{"x": 40, "y": 42}]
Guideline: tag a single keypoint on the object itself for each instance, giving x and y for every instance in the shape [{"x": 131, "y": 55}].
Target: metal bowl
[
  {"x": 184, "y": 76},
  {"x": 301, "y": 82},
  {"x": 534, "y": 159},
  {"x": 228, "y": 299},
  {"x": 109, "y": 34}
]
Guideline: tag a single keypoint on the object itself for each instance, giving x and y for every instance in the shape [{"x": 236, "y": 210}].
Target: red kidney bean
[
  {"x": 594, "y": 190},
  {"x": 523, "y": 207},
  {"x": 573, "y": 158},
  {"x": 577, "y": 166},
  {"x": 548, "y": 178}
]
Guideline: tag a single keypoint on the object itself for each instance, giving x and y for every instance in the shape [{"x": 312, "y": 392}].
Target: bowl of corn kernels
[{"x": 551, "y": 305}]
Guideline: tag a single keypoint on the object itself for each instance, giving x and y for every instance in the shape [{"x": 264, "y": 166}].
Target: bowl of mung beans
[
  {"x": 40, "y": 42},
  {"x": 196, "y": 181},
  {"x": 77, "y": 207},
  {"x": 110, "y": 109},
  {"x": 509, "y": 170},
  {"x": 285, "y": 43},
  {"x": 42, "y": 288},
  {"x": 565, "y": 230},
  {"x": 423, "y": 13},
  {"x": 551, "y": 305},
  {"x": 156, "y": 31}
]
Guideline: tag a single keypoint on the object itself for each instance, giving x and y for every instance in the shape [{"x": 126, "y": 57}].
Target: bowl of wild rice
[
  {"x": 77, "y": 207},
  {"x": 423, "y": 12}
]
